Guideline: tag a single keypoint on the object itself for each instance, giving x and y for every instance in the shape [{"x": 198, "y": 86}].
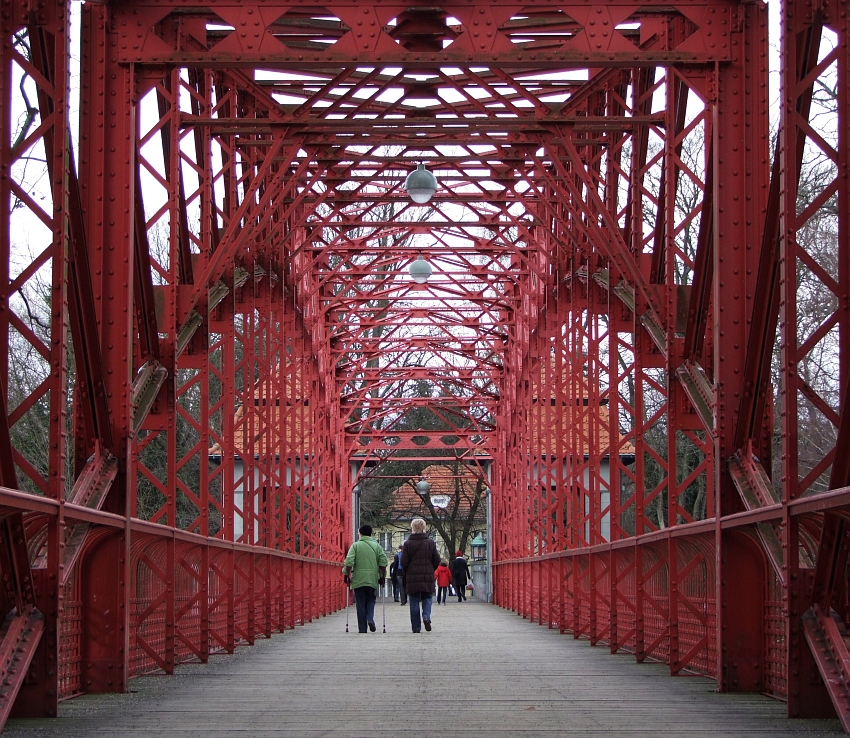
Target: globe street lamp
[
  {"x": 420, "y": 270},
  {"x": 422, "y": 487},
  {"x": 420, "y": 185}
]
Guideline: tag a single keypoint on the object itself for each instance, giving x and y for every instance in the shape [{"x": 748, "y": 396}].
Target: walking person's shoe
[
  {"x": 372, "y": 625},
  {"x": 427, "y": 625}
]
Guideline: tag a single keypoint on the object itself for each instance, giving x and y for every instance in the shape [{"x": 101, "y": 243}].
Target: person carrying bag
[{"x": 364, "y": 570}]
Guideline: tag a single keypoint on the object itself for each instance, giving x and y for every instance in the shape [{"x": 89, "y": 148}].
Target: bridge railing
[
  {"x": 189, "y": 597},
  {"x": 655, "y": 595}
]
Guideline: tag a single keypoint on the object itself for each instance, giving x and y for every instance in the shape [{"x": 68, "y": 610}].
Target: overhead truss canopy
[{"x": 636, "y": 324}]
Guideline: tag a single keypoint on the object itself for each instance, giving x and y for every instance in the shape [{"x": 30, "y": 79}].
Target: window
[{"x": 386, "y": 541}]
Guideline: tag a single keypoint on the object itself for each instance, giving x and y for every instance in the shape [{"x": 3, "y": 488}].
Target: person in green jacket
[{"x": 364, "y": 570}]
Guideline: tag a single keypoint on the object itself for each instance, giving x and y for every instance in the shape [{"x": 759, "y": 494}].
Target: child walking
[{"x": 443, "y": 575}]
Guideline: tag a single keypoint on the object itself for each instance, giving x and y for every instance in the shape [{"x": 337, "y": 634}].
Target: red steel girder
[
  {"x": 20, "y": 635},
  {"x": 230, "y": 223},
  {"x": 580, "y": 44}
]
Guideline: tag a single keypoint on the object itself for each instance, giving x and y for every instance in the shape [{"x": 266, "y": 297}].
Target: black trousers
[
  {"x": 441, "y": 594},
  {"x": 364, "y": 601}
]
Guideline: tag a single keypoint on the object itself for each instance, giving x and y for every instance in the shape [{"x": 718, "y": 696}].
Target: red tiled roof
[
  {"x": 407, "y": 504},
  {"x": 278, "y": 418},
  {"x": 573, "y": 425}
]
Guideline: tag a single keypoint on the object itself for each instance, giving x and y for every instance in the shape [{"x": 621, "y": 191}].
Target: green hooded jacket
[{"x": 365, "y": 558}]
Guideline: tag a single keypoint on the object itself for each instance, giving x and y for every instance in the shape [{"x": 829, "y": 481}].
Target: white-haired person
[{"x": 419, "y": 561}]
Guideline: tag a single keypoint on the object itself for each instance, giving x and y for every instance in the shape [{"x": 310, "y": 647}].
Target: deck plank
[{"x": 481, "y": 672}]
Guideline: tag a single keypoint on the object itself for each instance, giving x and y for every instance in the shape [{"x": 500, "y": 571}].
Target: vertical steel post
[{"x": 740, "y": 196}]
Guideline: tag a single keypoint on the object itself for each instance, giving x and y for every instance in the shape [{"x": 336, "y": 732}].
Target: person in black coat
[
  {"x": 398, "y": 579},
  {"x": 460, "y": 576},
  {"x": 419, "y": 560}
]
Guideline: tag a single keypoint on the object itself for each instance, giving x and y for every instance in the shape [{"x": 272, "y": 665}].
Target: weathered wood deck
[{"x": 481, "y": 672}]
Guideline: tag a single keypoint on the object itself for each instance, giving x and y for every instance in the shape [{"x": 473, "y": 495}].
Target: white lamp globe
[
  {"x": 420, "y": 185},
  {"x": 420, "y": 270},
  {"x": 422, "y": 487}
]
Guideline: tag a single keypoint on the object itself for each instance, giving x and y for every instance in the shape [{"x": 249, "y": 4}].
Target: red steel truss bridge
[{"x": 636, "y": 327}]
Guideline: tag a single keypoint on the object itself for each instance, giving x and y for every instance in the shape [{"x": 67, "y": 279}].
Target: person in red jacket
[{"x": 443, "y": 575}]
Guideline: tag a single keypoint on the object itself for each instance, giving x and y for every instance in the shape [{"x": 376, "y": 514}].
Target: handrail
[{"x": 26, "y": 502}]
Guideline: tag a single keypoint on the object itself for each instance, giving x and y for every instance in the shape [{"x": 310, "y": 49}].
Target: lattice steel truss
[{"x": 639, "y": 317}]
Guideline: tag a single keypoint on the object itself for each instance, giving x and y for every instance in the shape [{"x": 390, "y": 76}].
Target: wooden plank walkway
[{"x": 481, "y": 672}]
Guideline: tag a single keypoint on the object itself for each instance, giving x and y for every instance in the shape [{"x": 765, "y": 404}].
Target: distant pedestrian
[
  {"x": 364, "y": 570},
  {"x": 398, "y": 580},
  {"x": 460, "y": 575},
  {"x": 419, "y": 559},
  {"x": 443, "y": 575}
]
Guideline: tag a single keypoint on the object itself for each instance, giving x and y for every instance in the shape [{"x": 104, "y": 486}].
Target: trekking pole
[
  {"x": 384, "y": 605},
  {"x": 346, "y": 608}
]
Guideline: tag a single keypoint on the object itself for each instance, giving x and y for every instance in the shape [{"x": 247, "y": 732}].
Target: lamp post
[
  {"x": 420, "y": 185},
  {"x": 488, "y": 552},
  {"x": 355, "y": 491}
]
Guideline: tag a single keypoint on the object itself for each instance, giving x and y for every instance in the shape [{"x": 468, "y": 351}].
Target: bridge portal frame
[{"x": 712, "y": 345}]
